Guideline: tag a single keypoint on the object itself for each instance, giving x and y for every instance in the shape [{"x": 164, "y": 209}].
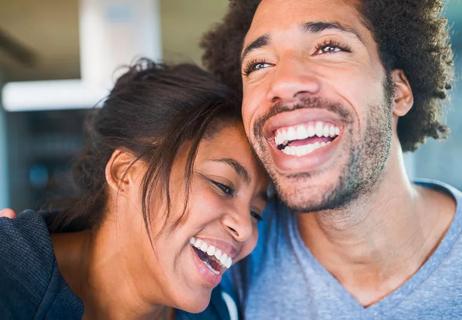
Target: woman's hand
[{"x": 7, "y": 213}]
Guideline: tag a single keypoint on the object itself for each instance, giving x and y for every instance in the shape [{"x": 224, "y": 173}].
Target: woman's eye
[
  {"x": 224, "y": 188},
  {"x": 256, "y": 215}
]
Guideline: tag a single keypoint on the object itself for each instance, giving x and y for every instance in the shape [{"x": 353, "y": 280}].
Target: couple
[{"x": 332, "y": 93}]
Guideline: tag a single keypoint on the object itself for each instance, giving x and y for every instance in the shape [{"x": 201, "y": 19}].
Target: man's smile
[{"x": 302, "y": 139}]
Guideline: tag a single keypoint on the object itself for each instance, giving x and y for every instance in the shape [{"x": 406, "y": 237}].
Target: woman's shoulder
[
  {"x": 25, "y": 247},
  {"x": 25, "y": 262},
  {"x": 28, "y": 270},
  {"x": 222, "y": 307}
]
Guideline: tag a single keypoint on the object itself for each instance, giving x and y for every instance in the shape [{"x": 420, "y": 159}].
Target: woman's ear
[
  {"x": 403, "y": 98},
  {"x": 120, "y": 171}
]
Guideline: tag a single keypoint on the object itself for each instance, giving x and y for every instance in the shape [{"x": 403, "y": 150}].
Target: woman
[{"x": 170, "y": 196}]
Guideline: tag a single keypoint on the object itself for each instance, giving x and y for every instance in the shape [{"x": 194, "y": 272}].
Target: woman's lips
[
  {"x": 211, "y": 278},
  {"x": 212, "y": 258}
]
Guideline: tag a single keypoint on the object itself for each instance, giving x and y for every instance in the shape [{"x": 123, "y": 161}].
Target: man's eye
[
  {"x": 331, "y": 47},
  {"x": 256, "y": 215},
  {"x": 255, "y": 65},
  {"x": 224, "y": 188}
]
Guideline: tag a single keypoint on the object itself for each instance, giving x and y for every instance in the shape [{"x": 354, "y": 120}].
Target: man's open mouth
[
  {"x": 213, "y": 258},
  {"x": 303, "y": 139}
]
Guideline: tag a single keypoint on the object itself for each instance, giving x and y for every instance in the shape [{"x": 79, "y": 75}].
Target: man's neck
[{"x": 382, "y": 238}]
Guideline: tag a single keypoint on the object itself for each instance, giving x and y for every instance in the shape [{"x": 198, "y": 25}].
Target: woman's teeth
[{"x": 212, "y": 251}]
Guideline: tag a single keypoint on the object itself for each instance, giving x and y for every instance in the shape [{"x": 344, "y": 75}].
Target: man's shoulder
[
  {"x": 443, "y": 265},
  {"x": 440, "y": 186}
]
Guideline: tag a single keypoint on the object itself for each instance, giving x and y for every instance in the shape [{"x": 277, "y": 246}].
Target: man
[{"x": 333, "y": 93}]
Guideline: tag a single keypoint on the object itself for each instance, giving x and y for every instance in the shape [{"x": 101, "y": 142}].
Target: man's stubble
[{"x": 366, "y": 158}]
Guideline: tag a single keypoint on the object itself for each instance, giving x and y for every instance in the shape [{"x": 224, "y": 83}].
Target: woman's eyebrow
[{"x": 240, "y": 170}]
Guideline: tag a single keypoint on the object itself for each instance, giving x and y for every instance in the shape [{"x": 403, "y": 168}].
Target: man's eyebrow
[
  {"x": 314, "y": 27},
  {"x": 240, "y": 170},
  {"x": 257, "y": 43},
  {"x": 320, "y": 26}
]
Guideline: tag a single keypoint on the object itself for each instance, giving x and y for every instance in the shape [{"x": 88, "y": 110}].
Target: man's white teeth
[
  {"x": 211, "y": 250},
  {"x": 300, "y": 151},
  {"x": 305, "y": 131}
]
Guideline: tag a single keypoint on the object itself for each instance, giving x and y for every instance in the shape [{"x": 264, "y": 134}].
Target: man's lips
[
  {"x": 300, "y": 132},
  {"x": 300, "y": 117},
  {"x": 304, "y": 140},
  {"x": 305, "y": 133},
  {"x": 305, "y": 156}
]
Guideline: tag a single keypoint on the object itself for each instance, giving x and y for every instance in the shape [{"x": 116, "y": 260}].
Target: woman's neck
[{"x": 92, "y": 263}]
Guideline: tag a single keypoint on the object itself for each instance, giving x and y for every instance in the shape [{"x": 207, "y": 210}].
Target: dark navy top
[{"x": 31, "y": 286}]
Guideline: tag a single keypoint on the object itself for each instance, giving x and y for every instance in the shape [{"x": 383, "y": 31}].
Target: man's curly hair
[{"x": 412, "y": 35}]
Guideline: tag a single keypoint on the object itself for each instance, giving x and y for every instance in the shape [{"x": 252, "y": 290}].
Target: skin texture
[
  {"x": 381, "y": 232},
  {"x": 360, "y": 210},
  {"x": 116, "y": 271},
  {"x": 7, "y": 213}
]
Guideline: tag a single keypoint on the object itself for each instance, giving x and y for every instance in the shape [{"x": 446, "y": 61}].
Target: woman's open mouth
[{"x": 214, "y": 259}]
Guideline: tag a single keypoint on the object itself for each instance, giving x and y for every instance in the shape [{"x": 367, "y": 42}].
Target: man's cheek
[{"x": 247, "y": 121}]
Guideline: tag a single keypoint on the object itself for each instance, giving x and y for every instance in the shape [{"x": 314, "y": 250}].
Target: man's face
[{"x": 317, "y": 102}]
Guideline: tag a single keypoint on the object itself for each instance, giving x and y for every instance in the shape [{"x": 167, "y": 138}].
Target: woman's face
[{"x": 226, "y": 199}]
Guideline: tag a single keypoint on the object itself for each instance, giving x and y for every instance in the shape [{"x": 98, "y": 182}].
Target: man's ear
[
  {"x": 120, "y": 170},
  {"x": 403, "y": 98}
]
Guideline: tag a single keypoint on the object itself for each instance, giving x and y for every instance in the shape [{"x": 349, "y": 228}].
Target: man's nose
[{"x": 293, "y": 78}]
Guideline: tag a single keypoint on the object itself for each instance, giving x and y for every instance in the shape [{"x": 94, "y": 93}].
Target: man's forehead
[{"x": 274, "y": 15}]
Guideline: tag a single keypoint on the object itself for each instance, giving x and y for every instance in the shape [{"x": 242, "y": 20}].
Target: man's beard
[{"x": 365, "y": 161}]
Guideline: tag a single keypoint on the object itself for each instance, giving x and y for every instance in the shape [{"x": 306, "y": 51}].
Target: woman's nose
[{"x": 238, "y": 222}]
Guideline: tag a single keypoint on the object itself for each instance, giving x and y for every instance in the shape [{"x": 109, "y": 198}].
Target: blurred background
[{"x": 57, "y": 59}]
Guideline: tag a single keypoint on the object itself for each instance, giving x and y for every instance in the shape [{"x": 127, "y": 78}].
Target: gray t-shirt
[{"x": 282, "y": 279}]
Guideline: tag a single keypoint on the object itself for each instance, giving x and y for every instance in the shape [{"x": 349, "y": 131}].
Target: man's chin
[{"x": 307, "y": 196}]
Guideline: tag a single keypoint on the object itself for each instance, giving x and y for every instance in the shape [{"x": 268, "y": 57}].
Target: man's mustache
[{"x": 302, "y": 103}]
